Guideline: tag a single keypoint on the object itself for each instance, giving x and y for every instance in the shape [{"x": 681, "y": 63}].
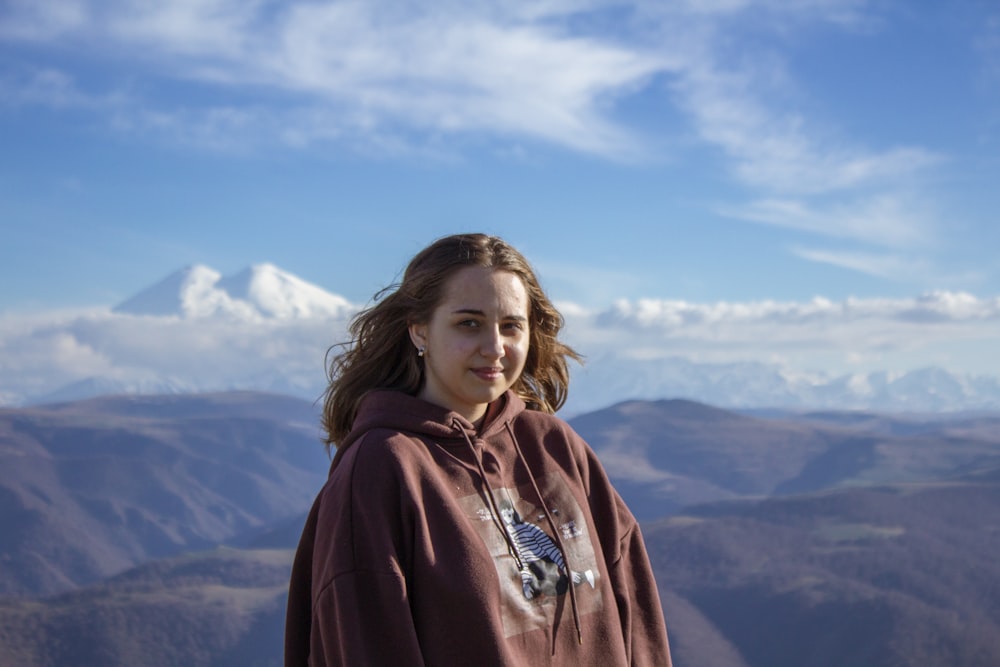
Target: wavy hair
[{"x": 380, "y": 354}]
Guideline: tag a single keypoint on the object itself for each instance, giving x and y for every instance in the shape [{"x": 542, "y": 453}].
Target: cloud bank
[{"x": 819, "y": 340}]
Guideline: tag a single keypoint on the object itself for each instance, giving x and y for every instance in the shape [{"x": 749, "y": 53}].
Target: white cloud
[
  {"x": 34, "y": 20},
  {"x": 987, "y": 43},
  {"x": 742, "y": 104},
  {"x": 885, "y": 220},
  {"x": 893, "y": 267},
  {"x": 40, "y": 354},
  {"x": 808, "y": 173},
  {"x": 515, "y": 68},
  {"x": 393, "y": 78},
  {"x": 673, "y": 316},
  {"x": 372, "y": 65},
  {"x": 817, "y": 335},
  {"x": 54, "y": 88},
  {"x": 203, "y": 353},
  {"x": 844, "y": 12}
]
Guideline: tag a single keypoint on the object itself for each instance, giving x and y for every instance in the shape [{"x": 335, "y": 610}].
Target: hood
[{"x": 398, "y": 411}]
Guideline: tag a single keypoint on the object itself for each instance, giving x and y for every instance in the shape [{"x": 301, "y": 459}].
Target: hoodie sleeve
[
  {"x": 358, "y": 609},
  {"x": 363, "y": 618},
  {"x": 639, "y": 609},
  {"x": 639, "y": 603}
]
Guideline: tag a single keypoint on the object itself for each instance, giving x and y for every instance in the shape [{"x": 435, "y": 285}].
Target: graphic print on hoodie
[{"x": 534, "y": 575}]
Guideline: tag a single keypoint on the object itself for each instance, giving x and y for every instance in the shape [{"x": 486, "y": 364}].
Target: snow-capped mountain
[{"x": 259, "y": 291}]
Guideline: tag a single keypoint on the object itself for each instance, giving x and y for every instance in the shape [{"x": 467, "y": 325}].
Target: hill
[
  {"x": 892, "y": 575},
  {"x": 92, "y": 488},
  {"x": 663, "y": 455},
  {"x": 219, "y": 608},
  {"x": 902, "y": 574},
  {"x": 797, "y": 539}
]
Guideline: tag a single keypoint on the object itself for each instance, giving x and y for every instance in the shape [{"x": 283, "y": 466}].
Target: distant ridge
[{"x": 260, "y": 291}]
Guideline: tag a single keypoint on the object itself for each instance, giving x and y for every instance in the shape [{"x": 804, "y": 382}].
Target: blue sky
[{"x": 715, "y": 156}]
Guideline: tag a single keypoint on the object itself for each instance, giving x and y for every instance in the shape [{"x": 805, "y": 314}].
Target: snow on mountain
[
  {"x": 608, "y": 379},
  {"x": 181, "y": 293},
  {"x": 261, "y": 291},
  {"x": 278, "y": 294},
  {"x": 102, "y": 386}
]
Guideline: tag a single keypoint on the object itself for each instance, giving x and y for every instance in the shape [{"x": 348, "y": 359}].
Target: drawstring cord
[
  {"x": 495, "y": 515},
  {"x": 556, "y": 533},
  {"x": 494, "y": 509}
]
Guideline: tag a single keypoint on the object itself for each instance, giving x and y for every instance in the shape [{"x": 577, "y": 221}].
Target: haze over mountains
[{"x": 265, "y": 329}]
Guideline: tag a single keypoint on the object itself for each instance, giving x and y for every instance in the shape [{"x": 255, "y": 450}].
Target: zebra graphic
[{"x": 542, "y": 565}]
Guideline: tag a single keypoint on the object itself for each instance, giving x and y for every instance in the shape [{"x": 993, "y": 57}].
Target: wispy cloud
[
  {"x": 774, "y": 148},
  {"x": 987, "y": 43},
  {"x": 393, "y": 77},
  {"x": 53, "y": 88},
  {"x": 514, "y": 69},
  {"x": 808, "y": 173},
  {"x": 374, "y": 65},
  {"x": 881, "y": 265},
  {"x": 887, "y": 220},
  {"x": 41, "y": 21}
]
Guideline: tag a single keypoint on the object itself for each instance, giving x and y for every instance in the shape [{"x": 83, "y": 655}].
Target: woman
[{"x": 462, "y": 523}]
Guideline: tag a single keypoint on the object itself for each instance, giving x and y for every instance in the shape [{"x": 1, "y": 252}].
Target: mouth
[{"x": 488, "y": 373}]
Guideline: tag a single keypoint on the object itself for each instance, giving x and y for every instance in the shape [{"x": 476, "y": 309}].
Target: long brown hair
[{"x": 380, "y": 354}]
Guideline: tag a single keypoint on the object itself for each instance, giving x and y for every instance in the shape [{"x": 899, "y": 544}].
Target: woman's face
[{"x": 476, "y": 341}]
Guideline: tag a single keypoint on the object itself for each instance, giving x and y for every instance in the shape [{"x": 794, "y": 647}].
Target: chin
[{"x": 489, "y": 395}]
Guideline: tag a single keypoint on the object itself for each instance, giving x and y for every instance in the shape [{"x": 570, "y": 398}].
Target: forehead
[{"x": 485, "y": 289}]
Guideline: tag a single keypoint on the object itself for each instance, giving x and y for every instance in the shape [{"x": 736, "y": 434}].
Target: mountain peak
[{"x": 260, "y": 291}]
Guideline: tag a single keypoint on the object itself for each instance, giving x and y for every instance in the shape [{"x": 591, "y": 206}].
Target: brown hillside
[
  {"x": 92, "y": 488},
  {"x": 896, "y": 575},
  {"x": 214, "y": 609},
  {"x": 664, "y": 455}
]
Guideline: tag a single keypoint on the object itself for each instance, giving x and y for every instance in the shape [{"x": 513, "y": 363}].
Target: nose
[{"x": 492, "y": 344}]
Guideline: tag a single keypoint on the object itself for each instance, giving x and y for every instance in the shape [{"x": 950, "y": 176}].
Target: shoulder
[
  {"x": 372, "y": 472},
  {"x": 556, "y": 440},
  {"x": 543, "y": 421},
  {"x": 550, "y": 428},
  {"x": 377, "y": 451}
]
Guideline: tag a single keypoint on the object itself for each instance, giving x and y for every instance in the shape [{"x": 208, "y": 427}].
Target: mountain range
[{"x": 158, "y": 530}]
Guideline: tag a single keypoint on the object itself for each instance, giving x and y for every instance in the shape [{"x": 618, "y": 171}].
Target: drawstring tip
[{"x": 579, "y": 637}]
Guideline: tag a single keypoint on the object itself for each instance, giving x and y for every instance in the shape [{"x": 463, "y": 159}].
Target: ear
[{"x": 418, "y": 334}]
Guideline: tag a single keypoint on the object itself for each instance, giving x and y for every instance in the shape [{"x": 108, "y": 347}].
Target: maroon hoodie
[{"x": 434, "y": 544}]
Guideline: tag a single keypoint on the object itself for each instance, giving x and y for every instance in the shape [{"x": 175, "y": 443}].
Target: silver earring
[{"x": 420, "y": 351}]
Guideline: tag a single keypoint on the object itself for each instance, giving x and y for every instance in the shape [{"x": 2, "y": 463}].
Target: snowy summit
[{"x": 261, "y": 291}]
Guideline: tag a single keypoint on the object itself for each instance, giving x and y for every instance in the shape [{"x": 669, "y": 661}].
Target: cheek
[
  {"x": 519, "y": 350},
  {"x": 456, "y": 347}
]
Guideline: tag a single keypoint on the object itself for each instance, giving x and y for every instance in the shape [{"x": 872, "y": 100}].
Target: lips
[{"x": 489, "y": 374}]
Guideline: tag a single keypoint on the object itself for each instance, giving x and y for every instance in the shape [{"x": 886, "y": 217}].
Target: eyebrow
[{"x": 474, "y": 311}]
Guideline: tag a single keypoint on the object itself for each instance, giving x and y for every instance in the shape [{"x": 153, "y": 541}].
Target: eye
[
  {"x": 514, "y": 326},
  {"x": 468, "y": 324}
]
